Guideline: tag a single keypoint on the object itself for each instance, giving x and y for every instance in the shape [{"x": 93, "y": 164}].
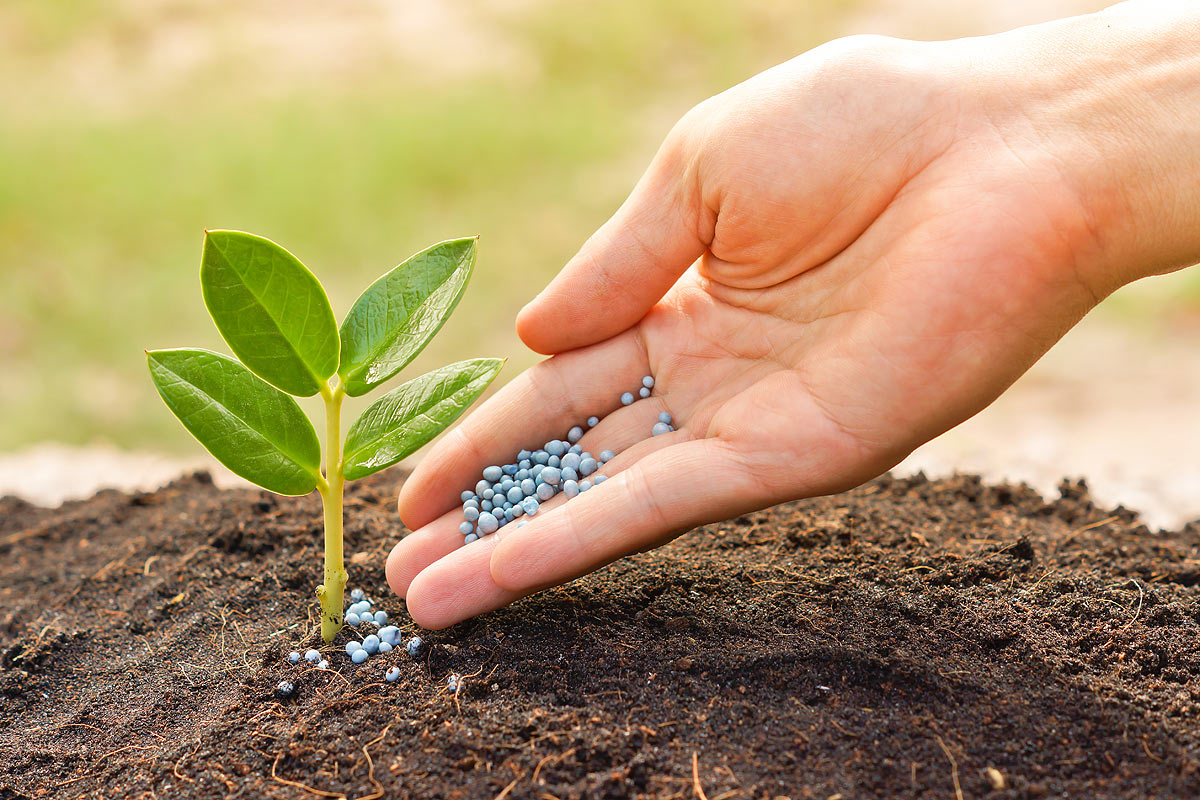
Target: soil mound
[{"x": 907, "y": 639}]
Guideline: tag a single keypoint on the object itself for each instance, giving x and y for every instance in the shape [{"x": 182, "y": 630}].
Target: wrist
[{"x": 1114, "y": 99}]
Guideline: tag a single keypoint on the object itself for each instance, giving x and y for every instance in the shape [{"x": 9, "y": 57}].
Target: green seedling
[{"x": 275, "y": 316}]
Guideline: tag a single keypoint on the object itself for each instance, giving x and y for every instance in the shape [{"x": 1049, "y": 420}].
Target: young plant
[{"x": 275, "y": 316}]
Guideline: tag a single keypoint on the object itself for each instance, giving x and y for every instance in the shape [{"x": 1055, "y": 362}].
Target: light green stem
[{"x": 332, "y": 592}]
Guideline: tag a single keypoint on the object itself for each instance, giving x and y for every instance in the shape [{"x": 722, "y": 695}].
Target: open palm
[{"x": 823, "y": 268}]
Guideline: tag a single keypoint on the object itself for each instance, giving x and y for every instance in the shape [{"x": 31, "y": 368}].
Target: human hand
[{"x": 823, "y": 268}]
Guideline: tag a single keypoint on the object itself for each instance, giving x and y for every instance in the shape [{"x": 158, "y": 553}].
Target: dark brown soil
[{"x": 907, "y": 639}]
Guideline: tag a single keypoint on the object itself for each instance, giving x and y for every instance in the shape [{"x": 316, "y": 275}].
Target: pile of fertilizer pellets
[
  {"x": 507, "y": 493},
  {"x": 388, "y": 637},
  {"x": 362, "y": 610}
]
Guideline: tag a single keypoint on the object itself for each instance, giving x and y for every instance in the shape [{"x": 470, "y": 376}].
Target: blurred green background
[{"x": 353, "y": 133}]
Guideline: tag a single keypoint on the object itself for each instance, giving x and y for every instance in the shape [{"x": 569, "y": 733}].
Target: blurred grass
[
  {"x": 103, "y": 201},
  {"x": 102, "y": 205}
]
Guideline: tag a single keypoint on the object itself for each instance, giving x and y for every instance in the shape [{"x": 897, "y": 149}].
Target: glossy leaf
[
  {"x": 393, "y": 320},
  {"x": 271, "y": 310},
  {"x": 406, "y": 418},
  {"x": 248, "y": 425}
]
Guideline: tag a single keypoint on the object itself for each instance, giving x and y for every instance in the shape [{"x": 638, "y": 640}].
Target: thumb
[{"x": 627, "y": 265}]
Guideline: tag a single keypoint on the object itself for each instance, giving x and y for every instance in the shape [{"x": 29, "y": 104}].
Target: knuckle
[{"x": 860, "y": 49}]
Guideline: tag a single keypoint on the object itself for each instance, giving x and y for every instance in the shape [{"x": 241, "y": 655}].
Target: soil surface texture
[{"x": 909, "y": 639}]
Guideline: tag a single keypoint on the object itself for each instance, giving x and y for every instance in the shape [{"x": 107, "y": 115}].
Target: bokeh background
[{"x": 355, "y": 132}]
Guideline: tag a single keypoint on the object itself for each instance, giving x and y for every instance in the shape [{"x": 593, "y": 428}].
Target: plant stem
[{"x": 332, "y": 592}]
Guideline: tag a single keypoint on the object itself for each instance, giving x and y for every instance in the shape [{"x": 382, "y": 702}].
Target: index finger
[
  {"x": 541, "y": 403},
  {"x": 644, "y": 505}
]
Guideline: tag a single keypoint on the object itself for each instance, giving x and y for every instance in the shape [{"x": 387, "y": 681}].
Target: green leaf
[
  {"x": 406, "y": 418},
  {"x": 397, "y": 315},
  {"x": 249, "y": 426},
  {"x": 271, "y": 310}
]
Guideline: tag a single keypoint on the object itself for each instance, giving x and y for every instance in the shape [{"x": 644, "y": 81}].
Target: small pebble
[
  {"x": 648, "y": 382},
  {"x": 312, "y": 656},
  {"x": 664, "y": 417},
  {"x": 352, "y": 619},
  {"x": 294, "y": 657},
  {"x": 660, "y": 428},
  {"x": 285, "y": 688},
  {"x": 516, "y": 494},
  {"x": 357, "y": 594},
  {"x": 322, "y": 664},
  {"x": 485, "y": 506},
  {"x": 541, "y": 457},
  {"x": 607, "y": 455},
  {"x": 381, "y": 618},
  {"x": 593, "y": 421},
  {"x": 371, "y": 644},
  {"x": 388, "y": 634},
  {"x": 552, "y": 475},
  {"x": 351, "y": 646},
  {"x": 384, "y": 647},
  {"x": 530, "y": 504},
  {"x": 470, "y": 537},
  {"x": 556, "y": 448},
  {"x": 466, "y": 497},
  {"x": 569, "y": 474},
  {"x": 600, "y": 479},
  {"x": 575, "y": 434},
  {"x": 571, "y": 461},
  {"x": 576, "y": 449},
  {"x": 570, "y": 489},
  {"x": 587, "y": 466},
  {"x": 584, "y": 486},
  {"x": 492, "y": 473},
  {"x": 392, "y": 674},
  {"x": 544, "y": 493},
  {"x": 472, "y": 514},
  {"x": 488, "y": 523},
  {"x": 452, "y": 683},
  {"x": 359, "y": 656},
  {"x": 627, "y": 398},
  {"x": 643, "y": 392},
  {"x": 466, "y": 527},
  {"x": 414, "y": 645}
]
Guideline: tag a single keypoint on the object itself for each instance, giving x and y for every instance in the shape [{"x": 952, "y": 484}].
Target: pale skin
[{"x": 825, "y": 267}]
